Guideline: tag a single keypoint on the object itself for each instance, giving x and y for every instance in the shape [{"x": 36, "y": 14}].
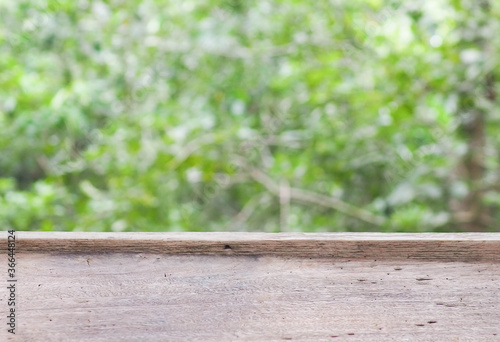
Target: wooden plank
[
  {"x": 444, "y": 247},
  {"x": 162, "y": 297},
  {"x": 254, "y": 287}
]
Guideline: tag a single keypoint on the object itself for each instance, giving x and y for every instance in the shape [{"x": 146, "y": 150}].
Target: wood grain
[
  {"x": 159, "y": 297},
  {"x": 443, "y": 247},
  {"x": 255, "y": 287}
]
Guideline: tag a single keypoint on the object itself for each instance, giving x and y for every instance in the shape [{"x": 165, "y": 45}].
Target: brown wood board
[
  {"x": 264, "y": 287},
  {"x": 426, "y": 246}
]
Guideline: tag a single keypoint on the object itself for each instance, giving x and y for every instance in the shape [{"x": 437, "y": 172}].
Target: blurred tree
[
  {"x": 249, "y": 115},
  {"x": 477, "y": 96}
]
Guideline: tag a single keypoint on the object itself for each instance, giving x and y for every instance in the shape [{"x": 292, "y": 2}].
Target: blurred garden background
[{"x": 243, "y": 115}]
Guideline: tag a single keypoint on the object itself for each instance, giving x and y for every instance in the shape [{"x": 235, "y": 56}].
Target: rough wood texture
[
  {"x": 132, "y": 287},
  {"x": 443, "y": 247}
]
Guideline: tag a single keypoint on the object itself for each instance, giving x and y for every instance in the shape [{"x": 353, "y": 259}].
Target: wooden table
[{"x": 254, "y": 287}]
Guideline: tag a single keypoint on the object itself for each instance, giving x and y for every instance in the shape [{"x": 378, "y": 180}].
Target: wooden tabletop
[{"x": 255, "y": 287}]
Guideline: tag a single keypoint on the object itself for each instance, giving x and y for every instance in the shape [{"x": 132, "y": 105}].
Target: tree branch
[{"x": 323, "y": 200}]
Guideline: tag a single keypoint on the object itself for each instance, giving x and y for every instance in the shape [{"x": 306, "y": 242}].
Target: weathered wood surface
[
  {"x": 430, "y": 246},
  {"x": 143, "y": 294}
]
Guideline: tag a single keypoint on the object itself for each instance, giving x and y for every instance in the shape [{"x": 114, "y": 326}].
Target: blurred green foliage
[{"x": 269, "y": 115}]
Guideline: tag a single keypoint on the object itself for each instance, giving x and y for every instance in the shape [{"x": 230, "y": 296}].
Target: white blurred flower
[{"x": 193, "y": 175}]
